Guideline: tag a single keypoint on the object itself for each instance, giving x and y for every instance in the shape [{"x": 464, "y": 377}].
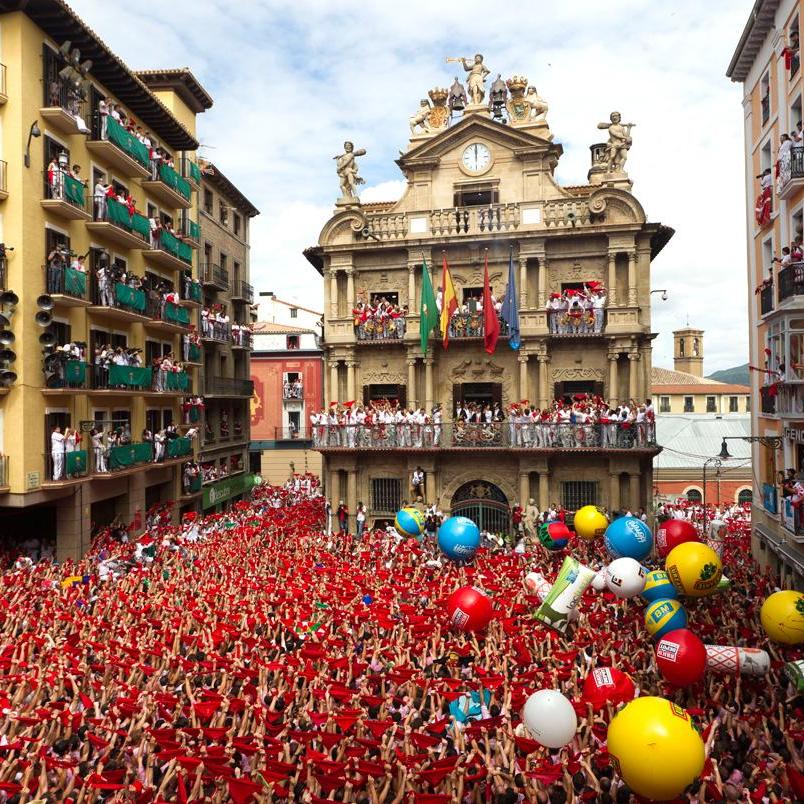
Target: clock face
[{"x": 476, "y": 158}]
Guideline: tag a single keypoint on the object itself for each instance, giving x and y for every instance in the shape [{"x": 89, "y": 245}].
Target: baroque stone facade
[{"x": 559, "y": 238}]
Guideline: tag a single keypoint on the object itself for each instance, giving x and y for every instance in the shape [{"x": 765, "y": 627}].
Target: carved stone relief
[{"x": 561, "y": 374}]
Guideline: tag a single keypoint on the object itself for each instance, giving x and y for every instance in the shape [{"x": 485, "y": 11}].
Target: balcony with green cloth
[
  {"x": 170, "y": 177},
  {"x": 135, "y": 224},
  {"x": 195, "y": 485},
  {"x": 194, "y": 353},
  {"x": 194, "y": 292},
  {"x": 179, "y": 447},
  {"x": 127, "y": 142},
  {"x": 75, "y": 374},
  {"x": 130, "y": 455},
  {"x": 130, "y": 377},
  {"x": 76, "y": 463},
  {"x": 177, "y": 381},
  {"x": 75, "y": 283},
  {"x": 74, "y": 191},
  {"x": 170, "y": 244},
  {"x": 177, "y": 315},
  {"x": 128, "y": 298},
  {"x": 194, "y": 171}
]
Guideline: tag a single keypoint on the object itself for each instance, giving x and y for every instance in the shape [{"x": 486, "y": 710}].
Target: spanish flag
[{"x": 449, "y": 302}]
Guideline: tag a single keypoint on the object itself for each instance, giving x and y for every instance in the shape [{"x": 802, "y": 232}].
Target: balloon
[
  {"x": 732, "y": 661},
  {"x": 628, "y": 537},
  {"x": 554, "y": 535},
  {"x": 550, "y": 718},
  {"x": 607, "y": 685},
  {"x": 694, "y": 569},
  {"x": 459, "y": 538},
  {"x": 625, "y": 577},
  {"x": 673, "y": 533},
  {"x": 656, "y": 747},
  {"x": 795, "y": 672},
  {"x": 540, "y": 586},
  {"x": 599, "y": 581},
  {"x": 367, "y": 599},
  {"x": 572, "y": 580},
  {"x": 590, "y": 522},
  {"x": 409, "y": 522},
  {"x": 658, "y": 585},
  {"x": 664, "y": 616},
  {"x": 469, "y": 609},
  {"x": 681, "y": 657},
  {"x": 782, "y": 617}
]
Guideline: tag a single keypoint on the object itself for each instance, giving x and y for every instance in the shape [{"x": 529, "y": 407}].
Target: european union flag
[{"x": 510, "y": 311}]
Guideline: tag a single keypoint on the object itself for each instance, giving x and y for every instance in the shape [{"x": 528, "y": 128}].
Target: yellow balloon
[
  {"x": 655, "y": 747},
  {"x": 694, "y": 569},
  {"x": 782, "y": 617},
  {"x": 590, "y": 522}
]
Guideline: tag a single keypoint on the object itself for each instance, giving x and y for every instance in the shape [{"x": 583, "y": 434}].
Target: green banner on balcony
[
  {"x": 140, "y": 225},
  {"x": 225, "y": 489},
  {"x": 75, "y": 283},
  {"x": 133, "y": 298},
  {"x": 118, "y": 213},
  {"x": 179, "y": 447},
  {"x": 195, "y": 292},
  {"x": 130, "y": 455},
  {"x": 185, "y": 251},
  {"x": 127, "y": 142},
  {"x": 76, "y": 462},
  {"x": 176, "y": 314},
  {"x": 75, "y": 372},
  {"x": 174, "y": 181},
  {"x": 195, "y": 484},
  {"x": 74, "y": 191},
  {"x": 194, "y": 353},
  {"x": 130, "y": 376},
  {"x": 169, "y": 242},
  {"x": 195, "y": 171},
  {"x": 177, "y": 381}
]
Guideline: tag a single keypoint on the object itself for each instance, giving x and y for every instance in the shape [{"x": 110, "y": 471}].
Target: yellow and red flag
[{"x": 449, "y": 302}]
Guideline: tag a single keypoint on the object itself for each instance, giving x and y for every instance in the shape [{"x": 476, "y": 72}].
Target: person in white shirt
[
  {"x": 360, "y": 518},
  {"x": 57, "y": 452},
  {"x": 437, "y": 425},
  {"x": 417, "y": 482}
]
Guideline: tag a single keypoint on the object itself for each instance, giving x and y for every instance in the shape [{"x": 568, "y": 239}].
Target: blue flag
[{"x": 510, "y": 312}]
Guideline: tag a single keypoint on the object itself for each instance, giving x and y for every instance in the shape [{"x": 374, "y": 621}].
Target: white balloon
[
  {"x": 550, "y": 718},
  {"x": 625, "y": 577},
  {"x": 599, "y": 581}
]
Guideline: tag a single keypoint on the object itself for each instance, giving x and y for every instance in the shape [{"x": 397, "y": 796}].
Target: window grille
[
  {"x": 577, "y": 493},
  {"x": 386, "y": 495}
]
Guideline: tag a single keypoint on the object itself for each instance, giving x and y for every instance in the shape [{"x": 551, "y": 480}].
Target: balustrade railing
[
  {"x": 766, "y": 300},
  {"x": 791, "y": 281}
]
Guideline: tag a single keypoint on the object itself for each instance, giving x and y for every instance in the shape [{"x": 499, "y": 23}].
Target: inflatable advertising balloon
[
  {"x": 607, "y": 685},
  {"x": 694, "y": 569},
  {"x": 572, "y": 581},
  {"x": 672, "y": 533},
  {"x": 554, "y": 536},
  {"x": 539, "y": 585},
  {"x": 681, "y": 657},
  {"x": 469, "y": 609},
  {"x": 409, "y": 522},
  {"x": 733, "y": 661},
  {"x": 664, "y": 616},
  {"x": 658, "y": 586},
  {"x": 625, "y": 577},
  {"x": 550, "y": 718},
  {"x": 795, "y": 672},
  {"x": 590, "y": 522},
  {"x": 782, "y": 617},
  {"x": 628, "y": 537},
  {"x": 459, "y": 538}
]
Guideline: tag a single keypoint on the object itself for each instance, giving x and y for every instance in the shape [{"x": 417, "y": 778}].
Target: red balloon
[
  {"x": 681, "y": 657},
  {"x": 469, "y": 609},
  {"x": 673, "y": 533},
  {"x": 607, "y": 685}
]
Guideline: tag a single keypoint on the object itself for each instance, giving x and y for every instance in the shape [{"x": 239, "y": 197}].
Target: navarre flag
[
  {"x": 510, "y": 311},
  {"x": 449, "y": 302},
  {"x": 428, "y": 309},
  {"x": 491, "y": 324}
]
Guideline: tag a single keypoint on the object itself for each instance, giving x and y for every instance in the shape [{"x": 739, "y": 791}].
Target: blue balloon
[
  {"x": 459, "y": 538},
  {"x": 628, "y": 537},
  {"x": 367, "y": 599}
]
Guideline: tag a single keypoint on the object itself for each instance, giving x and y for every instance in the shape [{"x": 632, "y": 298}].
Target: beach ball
[
  {"x": 782, "y": 617},
  {"x": 694, "y": 569},
  {"x": 655, "y": 748},
  {"x": 607, "y": 685},
  {"x": 550, "y": 718},
  {"x": 628, "y": 537},
  {"x": 469, "y": 609},
  {"x": 658, "y": 586},
  {"x": 590, "y": 522},
  {"x": 673, "y": 533},
  {"x": 409, "y": 522},
  {"x": 459, "y": 538},
  {"x": 554, "y": 535},
  {"x": 681, "y": 657},
  {"x": 625, "y": 577},
  {"x": 664, "y": 616}
]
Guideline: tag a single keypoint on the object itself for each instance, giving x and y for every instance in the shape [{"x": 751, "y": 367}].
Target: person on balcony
[
  {"x": 99, "y": 195},
  {"x": 159, "y": 446},
  {"x": 98, "y": 451},
  {"x": 57, "y": 452},
  {"x": 556, "y": 306}
]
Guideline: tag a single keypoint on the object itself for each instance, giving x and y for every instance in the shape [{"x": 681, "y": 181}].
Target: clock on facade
[{"x": 476, "y": 158}]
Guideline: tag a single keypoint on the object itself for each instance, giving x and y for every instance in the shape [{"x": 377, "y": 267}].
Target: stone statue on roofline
[
  {"x": 346, "y": 168},
  {"x": 619, "y": 143}
]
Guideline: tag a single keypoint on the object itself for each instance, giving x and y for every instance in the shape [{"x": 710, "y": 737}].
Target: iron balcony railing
[
  {"x": 791, "y": 281},
  {"x": 450, "y": 435},
  {"x": 2, "y": 79},
  {"x": 62, "y": 466},
  {"x": 228, "y": 386},
  {"x": 791, "y": 166},
  {"x": 292, "y": 434},
  {"x": 293, "y": 390},
  {"x": 766, "y": 300},
  {"x": 62, "y": 371},
  {"x": 62, "y": 186},
  {"x": 107, "y": 459},
  {"x": 241, "y": 338},
  {"x": 387, "y": 329},
  {"x": 214, "y": 275},
  {"x": 3, "y": 269},
  {"x": 64, "y": 281},
  {"x": 109, "y": 210},
  {"x": 242, "y": 290},
  {"x": 62, "y": 93},
  {"x": 215, "y": 330},
  {"x": 191, "y": 290},
  {"x": 160, "y": 310},
  {"x": 767, "y": 399}
]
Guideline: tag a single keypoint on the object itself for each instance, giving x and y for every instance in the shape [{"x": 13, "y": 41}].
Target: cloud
[{"x": 293, "y": 80}]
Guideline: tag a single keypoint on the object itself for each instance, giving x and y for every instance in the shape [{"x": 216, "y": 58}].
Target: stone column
[
  {"x": 350, "y": 379},
  {"x": 633, "y": 491},
  {"x": 612, "y": 300},
  {"x": 524, "y": 390},
  {"x": 544, "y": 368},
  {"x": 333, "y": 381},
  {"x": 544, "y": 491},
  {"x": 632, "y": 279},
  {"x": 412, "y": 306},
  {"x": 351, "y": 497},
  {"x": 412, "y": 395},
  {"x": 350, "y": 288},
  {"x": 334, "y": 493},
  {"x": 613, "y": 391},
  {"x": 614, "y": 491},
  {"x": 333, "y": 293},
  {"x": 524, "y": 488},
  {"x": 523, "y": 283},
  {"x": 428, "y": 383},
  {"x": 633, "y": 375},
  {"x": 646, "y": 370},
  {"x": 542, "y": 281}
]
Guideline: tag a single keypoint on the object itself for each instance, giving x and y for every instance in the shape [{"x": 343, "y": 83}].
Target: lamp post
[
  {"x": 32, "y": 132},
  {"x": 771, "y": 442}
]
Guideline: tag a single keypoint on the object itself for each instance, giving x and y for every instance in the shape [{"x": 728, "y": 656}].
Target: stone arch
[
  {"x": 354, "y": 220},
  {"x": 693, "y": 488},
  {"x": 489, "y": 476},
  {"x": 624, "y": 207},
  {"x": 740, "y": 490}
]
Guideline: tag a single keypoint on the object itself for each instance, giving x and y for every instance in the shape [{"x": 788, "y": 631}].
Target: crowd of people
[
  {"x": 379, "y": 319},
  {"x": 581, "y": 421},
  {"x": 292, "y": 389},
  {"x": 577, "y": 311},
  {"x": 215, "y": 323},
  {"x": 250, "y": 656}
]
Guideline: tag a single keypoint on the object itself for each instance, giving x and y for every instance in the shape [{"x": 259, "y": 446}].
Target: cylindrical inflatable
[
  {"x": 664, "y": 616},
  {"x": 732, "y": 661},
  {"x": 572, "y": 581},
  {"x": 409, "y": 522},
  {"x": 554, "y": 536},
  {"x": 539, "y": 585},
  {"x": 625, "y": 577},
  {"x": 469, "y": 609},
  {"x": 656, "y": 748},
  {"x": 628, "y": 537},
  {"x": 658, "y": 586},
  {"x": 550, "y": 718},
  {"x": 795, "y": 672},
  {"x": 716, "y": 536},
  {"x": 681, "y": 657},
  {"x": 672, "y": 533},
  {"x": 590, "y": 522},
  {"x": 782, "y": 617},
  {"x": 459, "y": 538},
  {"x": 694, "y": 569},
  {"x": 607, "y": 685}
]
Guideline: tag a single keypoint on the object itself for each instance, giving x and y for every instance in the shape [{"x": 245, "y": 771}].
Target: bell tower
[{"x": 688, "y": 354}]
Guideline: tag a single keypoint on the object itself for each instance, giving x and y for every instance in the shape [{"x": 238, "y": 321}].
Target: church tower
[{"x": 688, "y": 354}]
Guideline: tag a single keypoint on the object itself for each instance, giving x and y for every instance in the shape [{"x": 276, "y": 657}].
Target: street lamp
[
  {"x": 662, "y": 291},
  {"x": 718, "y": 463},
  {"x": 33, "y": 132}
]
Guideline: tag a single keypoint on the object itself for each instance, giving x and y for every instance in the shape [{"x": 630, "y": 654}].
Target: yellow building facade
[
  {"x": 57, "y": 75},
  {"x": 767, "y": 62},
  {"x": 479, "y": 186}
]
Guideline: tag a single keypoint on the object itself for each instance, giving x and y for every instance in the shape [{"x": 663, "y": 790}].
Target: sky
[{"x": 292, "y": 80}]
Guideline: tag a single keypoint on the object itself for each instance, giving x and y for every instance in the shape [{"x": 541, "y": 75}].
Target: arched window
[
  {"x": 694, "y": 495},
  {"x": 681, "y": 347},
  {"x": 745, "y": 496}
]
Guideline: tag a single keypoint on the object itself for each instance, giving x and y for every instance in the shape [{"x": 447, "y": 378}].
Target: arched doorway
[{"x": 485, "y": 504}]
